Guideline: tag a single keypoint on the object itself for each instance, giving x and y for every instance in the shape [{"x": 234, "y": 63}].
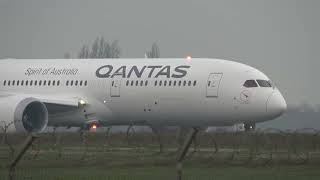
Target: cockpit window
[
  {"x": 271, "y": 84},
  {"x": 250, "y": 84},
  {"x": 264, "y": 83}
]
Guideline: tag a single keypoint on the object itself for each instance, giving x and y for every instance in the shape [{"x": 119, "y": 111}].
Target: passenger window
[
  {"x": 18, "y": 83},
  {"x": 4, "y": 82},
  {"x": 141, "y": 83},
  {"x": 53, "y": 83},
  {"x": 146, "y": 83},
  {"x": 40, "y": 83},
  {"x": 250, "y": 84},
  {"x": 179, "y": 83},
  {"x": 22, "y": 83},
  {"x": 58, "y": 83},
  {"x": 76, "y": 83},
  {"x": 35, "y": 83},
  {"x": 263, "y": 83},
  {"x": 86, "y": 83},
  {"x": 13, "y": 82},
  {"x": 8, "y": 83},
  {"x": 49, "y": 83},
  {"x": 67, "y": 83},
  {"x": 31, "y": 82},
  {"x": 155, "y": 83},
  {"x": 132, "y": 83},
  {"x": 194, "y": 83},
  {"x": 189, "y": 83},
  {"x": 127, "y": 83},
  {"x": 165, "y": 83},
  {"x": 184, "y": 83},
  {"x": 137, "y": 82},
  {"x": 174, "y": 83},
  {"x": 27, "y": 82},
  {"x": 160, "y": 83},
  {"x": 71, "y": 83},
  {"x": 170, "y": 83}
]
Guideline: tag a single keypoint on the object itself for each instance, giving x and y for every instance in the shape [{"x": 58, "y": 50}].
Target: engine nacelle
[{"x": 22, "y": 114}]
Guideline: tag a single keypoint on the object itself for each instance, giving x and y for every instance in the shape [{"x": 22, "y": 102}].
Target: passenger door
[
  {"x": 115, "y": 86},
  {"x": 213, "y": 84}
]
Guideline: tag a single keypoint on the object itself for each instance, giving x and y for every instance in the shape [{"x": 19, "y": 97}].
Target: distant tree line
[
  {"x": 103, "y": 49},
  {"x": 154, "y": 52},
  {"x": 100, "y": 49}
]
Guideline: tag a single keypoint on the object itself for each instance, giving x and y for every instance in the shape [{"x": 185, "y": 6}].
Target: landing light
[
  {"x": 94, "y": 126},
  {"x": 82, "y": 102},
  {"x": 188, "y": 57}
]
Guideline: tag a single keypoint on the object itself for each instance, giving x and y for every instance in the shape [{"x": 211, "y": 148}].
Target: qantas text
[{"x": 108, "y": 71}]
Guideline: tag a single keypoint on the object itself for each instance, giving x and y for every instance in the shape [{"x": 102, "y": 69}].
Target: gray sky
[{"x": 279, "y": 37}]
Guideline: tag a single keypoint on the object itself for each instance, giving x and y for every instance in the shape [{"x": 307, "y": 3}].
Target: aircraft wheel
[{"x": 248, "y": 127}]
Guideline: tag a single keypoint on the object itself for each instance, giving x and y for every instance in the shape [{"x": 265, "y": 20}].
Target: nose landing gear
[{"x": 249, "y": 127}]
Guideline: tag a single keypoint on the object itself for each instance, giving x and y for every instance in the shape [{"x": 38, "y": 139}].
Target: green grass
[
  {"x": 241, "y": 157},
  {"x": 190, "y": 172}
]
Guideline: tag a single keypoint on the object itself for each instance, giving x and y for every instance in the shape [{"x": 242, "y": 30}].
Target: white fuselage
[{"x": 196, "y": 92}]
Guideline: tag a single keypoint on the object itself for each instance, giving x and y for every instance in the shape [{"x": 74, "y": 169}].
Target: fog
[{"x": 279, "y": 37}]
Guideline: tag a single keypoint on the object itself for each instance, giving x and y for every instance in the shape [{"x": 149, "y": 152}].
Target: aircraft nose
[{"x": 276, "y": 104}]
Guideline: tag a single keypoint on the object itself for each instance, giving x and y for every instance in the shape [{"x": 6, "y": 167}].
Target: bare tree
[
  {"x": 154, "y": 52},
  {"x": 100, "y": 49},
  {"x": 94, "y": 49},
  {"x": 106, "y": 52},
  {"x": 115, "y": 50},
  {"x": 84, "y": 52}
]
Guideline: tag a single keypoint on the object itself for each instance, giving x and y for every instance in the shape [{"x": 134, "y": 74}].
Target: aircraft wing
[
  {"x": 62, "y": 100},
  {"x": 65, "y": 101}
]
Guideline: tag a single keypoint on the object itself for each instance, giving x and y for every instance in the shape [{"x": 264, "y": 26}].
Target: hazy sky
[{"x": 279, "y": 37}]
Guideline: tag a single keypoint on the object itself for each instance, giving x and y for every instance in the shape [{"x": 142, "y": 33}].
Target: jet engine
[{"x": 22, "y": 114}]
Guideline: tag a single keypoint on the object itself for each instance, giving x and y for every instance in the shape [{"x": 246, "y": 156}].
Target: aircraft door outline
[
  {"x": 213, "y": 84},
  {"x": 115, "y": 86}
]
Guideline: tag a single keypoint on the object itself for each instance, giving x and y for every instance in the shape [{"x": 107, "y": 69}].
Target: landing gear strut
[
  {"x": 184, "y": 149},
  {"x": 248, "y": 127}
]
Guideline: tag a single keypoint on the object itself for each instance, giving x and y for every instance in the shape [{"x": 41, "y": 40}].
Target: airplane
[{"x": 193, "y": 92}]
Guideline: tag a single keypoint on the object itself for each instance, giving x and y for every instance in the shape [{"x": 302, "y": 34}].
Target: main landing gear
[
  {"x": 184, "y": 149},
  {"x": 249, "y": 127}
]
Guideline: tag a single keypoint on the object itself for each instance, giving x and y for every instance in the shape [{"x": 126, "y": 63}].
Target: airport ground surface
[
  {"x": 216, "y": 156},
  {"x": 162, "y": 173}
]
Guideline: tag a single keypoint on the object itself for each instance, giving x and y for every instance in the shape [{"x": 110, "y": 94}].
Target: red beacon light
[{"x": 188, "y": 58}]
